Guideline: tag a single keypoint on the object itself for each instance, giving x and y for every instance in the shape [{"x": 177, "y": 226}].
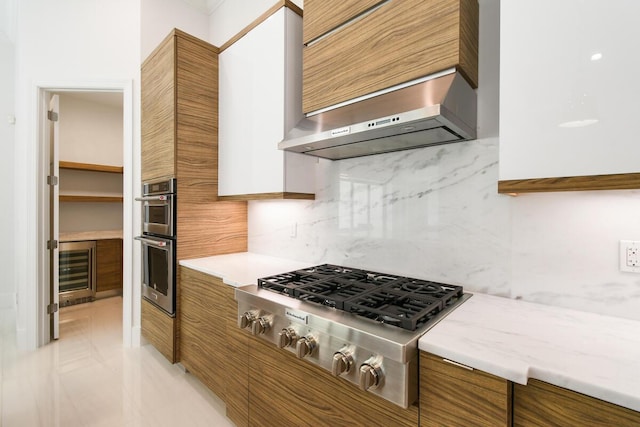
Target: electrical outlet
[{"x": 630, "y": 256}]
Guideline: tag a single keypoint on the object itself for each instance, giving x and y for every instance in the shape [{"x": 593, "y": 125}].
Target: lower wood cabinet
[
  {"x": 455, "y": 395},
  {"x": 212, "y": 347},
  {"x": 542, "y": 404},
  {"x": 108, "y": 265},
  {"x": 159, "y": 329},
  {"x": 287, "y": 391}
]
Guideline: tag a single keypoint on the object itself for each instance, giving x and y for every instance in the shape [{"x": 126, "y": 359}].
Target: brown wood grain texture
[
  {"x": 454, "y": 396},
  {"x": 108, "y": 264},
  {"x": 203, "y": 336},
  {"x": 621, "y": 181},
  {"x": 237, "y": 393},
  {"x": 211, "y": 229},
  {"x": 90, "y": 167},
  {"x": 90, "y": 199},
  {"x": 469, "y": 33},
  {"x": 196, "y": 120},
  {"x": 322, "y": 16},
  {"x": 399, "y": 42},
  {"x": 287, "y": 391},
  {"x": 269, "y": 196},
  {"x": 542, "y": 404},
  {"x": 259, "y": 20},
  {"x": 159, "y": 329},
  {"x": 158, "y": 111}
]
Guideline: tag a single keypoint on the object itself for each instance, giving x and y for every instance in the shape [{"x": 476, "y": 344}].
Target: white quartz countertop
[
  {"x": 592, "y": 354},
  {"x": 242, "y": 268}
]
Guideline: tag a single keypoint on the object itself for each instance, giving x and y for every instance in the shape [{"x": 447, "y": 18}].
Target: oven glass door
[
  {"x": 158, "y": 214},
  {"x": 158, "y": 276}
]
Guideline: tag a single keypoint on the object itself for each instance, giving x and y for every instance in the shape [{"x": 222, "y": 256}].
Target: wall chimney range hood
[{"x": 437, "y": 109}]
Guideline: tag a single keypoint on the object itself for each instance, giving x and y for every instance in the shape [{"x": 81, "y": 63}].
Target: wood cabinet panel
[
  {"x": 401, "y": 41},
  {"x": 277, "y": 377},
  {"x": 108, "y": 265},
  {"x": 202, "y": 334},
  {"x": 453, "y": 395},
  {"x": 158, "y": 112},
  {"x": 159, "y": 329},
  {"x": 542, "y": 404},
  {"x": 322, "y": 16},
  {"x": 237, "y": 393}
]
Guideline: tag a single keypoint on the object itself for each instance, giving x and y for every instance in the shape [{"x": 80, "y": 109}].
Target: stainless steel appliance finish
[
  {"x": 159, "y": 208},
  {"x": 437, "y": 109},
  {"x": 379, "y": 357},
  {"x": 77, "y": 272},
  {"x": 159, "y": 274}
]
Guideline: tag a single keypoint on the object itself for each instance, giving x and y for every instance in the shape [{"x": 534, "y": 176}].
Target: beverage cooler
[{"x": 77, "y": 272}]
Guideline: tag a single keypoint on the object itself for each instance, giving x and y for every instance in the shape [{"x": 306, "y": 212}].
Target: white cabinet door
[
  {"x": 260, "y": 95},
  {"x": 569, "y": 78}
]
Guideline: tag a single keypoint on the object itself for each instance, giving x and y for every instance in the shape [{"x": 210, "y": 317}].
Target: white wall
[
  {"x": 7, "y": 62},
  {"x": 232, "y": 16},
  {"x": 435, "y": 213},
  {"x": 62, "y": 44},
  {"x": 159, "y": 17}
]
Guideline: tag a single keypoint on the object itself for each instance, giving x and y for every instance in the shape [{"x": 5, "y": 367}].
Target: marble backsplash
[{"x": 435, "y": 213}]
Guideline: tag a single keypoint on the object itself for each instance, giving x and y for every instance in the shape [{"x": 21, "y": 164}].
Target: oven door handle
[
  {"x": 151, "y": 242},
  {"x": 151, "y": 198}
]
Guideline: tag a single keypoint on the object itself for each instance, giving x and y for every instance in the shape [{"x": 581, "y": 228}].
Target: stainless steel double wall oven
[{"x": 159, "y": 243}]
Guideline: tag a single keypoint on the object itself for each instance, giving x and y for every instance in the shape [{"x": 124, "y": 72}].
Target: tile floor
[{"x": 87, "y": 378}]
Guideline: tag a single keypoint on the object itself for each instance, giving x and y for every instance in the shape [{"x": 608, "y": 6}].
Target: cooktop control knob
[
  {"x": 342, "y": 362},
  {"x": 306, "y": 346},
  {"x": 247, "y": 319},
  {"x": 260, "y": 325},
  {"x": 287, "y": 338},
  {"x": 370, "y": 374}
]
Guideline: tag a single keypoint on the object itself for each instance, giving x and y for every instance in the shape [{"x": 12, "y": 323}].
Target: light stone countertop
[
  {"x": 90, "y": 235},
  {"x": 242, "y": 268},
  {"x": 589, "y": 353}
]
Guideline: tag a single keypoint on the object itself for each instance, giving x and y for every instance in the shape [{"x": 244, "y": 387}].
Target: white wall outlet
[{"x": 630, "y": 256}]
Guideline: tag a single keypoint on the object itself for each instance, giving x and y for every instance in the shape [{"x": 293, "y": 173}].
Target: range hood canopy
[{"x": 437, "y": 109}]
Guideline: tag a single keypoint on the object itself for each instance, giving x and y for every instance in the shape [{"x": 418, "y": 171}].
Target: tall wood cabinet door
[
  {"x": 203, "y": 346},
  {"x": 322, "y": 16},
  {"x": 159, "y": 329},
  {"x": 401, "y": 41},
  {"x": 108, "y": 265},
  {"x": 542, "y": 404},
  {"x": 453, "y": 395},
  {"x": 158, "y": 112}
]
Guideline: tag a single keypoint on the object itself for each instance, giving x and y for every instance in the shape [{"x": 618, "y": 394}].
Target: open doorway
[{"x": 95, "y": 201}]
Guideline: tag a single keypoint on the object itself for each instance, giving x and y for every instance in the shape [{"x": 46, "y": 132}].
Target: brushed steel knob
[
  {"x": 260, "y": 325},
  {"x": 305, "y": 346},
  {"x": 370, "y": 375},
  {"x": 342, "y": 361},
  {"x": 247, "y": 319},
  {"x": 287, "y": 338}
]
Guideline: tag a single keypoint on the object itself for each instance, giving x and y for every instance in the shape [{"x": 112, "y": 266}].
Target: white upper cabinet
[
  {"x": 569, "y": 78},
  {"x": 260, "y": 99}
]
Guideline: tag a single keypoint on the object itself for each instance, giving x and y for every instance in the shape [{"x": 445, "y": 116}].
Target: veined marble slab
[
  {"x": 242, "y": 268},
  {"x": 585, "y": 352}
]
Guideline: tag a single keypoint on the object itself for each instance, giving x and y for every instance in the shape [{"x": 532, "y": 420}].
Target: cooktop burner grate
[{"x": 400, "y": 301}]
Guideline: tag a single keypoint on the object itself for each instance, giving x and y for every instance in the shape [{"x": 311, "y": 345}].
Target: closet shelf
[
  {"x": 90, "y": 167},
  {"x": 90, "y": 199}
]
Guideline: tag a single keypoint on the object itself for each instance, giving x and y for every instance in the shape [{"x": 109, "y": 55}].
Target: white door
[{"x": 54, "y": 316}]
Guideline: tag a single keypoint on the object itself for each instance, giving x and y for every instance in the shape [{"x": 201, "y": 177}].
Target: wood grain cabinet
[
  {"x": 397, "y": 42},
  {"x": 109, "y": 265},
  {"x": 260, "y": 101},
  {"x": 542, "y": 404},
  {"x": 566, "y": 118},
  {"x": 211, "y": 346},
  {"x": 455, "y": 395},
  {"x": 159, "y": 329}
]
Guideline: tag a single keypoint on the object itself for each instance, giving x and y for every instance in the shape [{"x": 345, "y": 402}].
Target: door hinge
[
  {"x": 52, "y": 115},
  {"x": 52, "y": 180},
  {"x": 52, "y": 308},
  {"x": 52, "y": 244}
]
